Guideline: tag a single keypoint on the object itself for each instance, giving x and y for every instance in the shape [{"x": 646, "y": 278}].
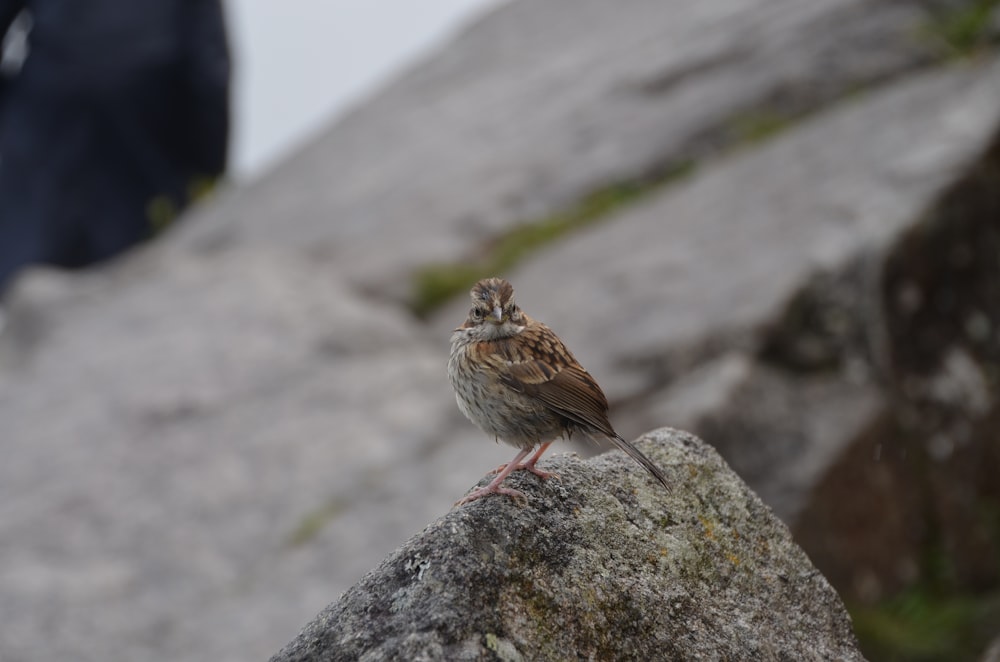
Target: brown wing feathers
[
  {"x": 539, "y": 365},
  {"x": 574, "y": 394},
  {"x": 558, "y": 381}
]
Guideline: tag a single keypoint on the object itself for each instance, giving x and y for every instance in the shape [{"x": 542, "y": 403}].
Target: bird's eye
[{"x": 476, "y": 314}]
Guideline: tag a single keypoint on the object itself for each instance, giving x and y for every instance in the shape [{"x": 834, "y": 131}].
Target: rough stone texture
[
  {"x": 602, "y": 564},
  {"x": 529, "y": 110},
  {"x": 939, "y": 324},
  {"x": 736, "y": 402}
]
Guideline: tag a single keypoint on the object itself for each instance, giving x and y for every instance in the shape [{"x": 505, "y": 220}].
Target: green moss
[
  {"x": 924, "y": 626},
  {"x": 966, "y": 29},
  {"x": 758, "y": 125},
  {"x": 437, "y": 283},
  {"x": 311, "y": 525}
]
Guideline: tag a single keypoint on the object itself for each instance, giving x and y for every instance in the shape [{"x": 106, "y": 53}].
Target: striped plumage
[{"x": 516, "y": 380}]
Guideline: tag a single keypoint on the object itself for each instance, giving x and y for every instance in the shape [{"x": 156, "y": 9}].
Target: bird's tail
[{"x": 638, "y": 456}]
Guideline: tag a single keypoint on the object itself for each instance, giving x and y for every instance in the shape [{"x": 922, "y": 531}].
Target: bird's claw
[
  {"x": 527, "y": 467},
  {"x": 544, "y": 475},
  {"x": 479, "y": 493}
]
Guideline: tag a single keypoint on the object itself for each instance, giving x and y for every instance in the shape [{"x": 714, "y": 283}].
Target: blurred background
[
  {"x": 296, "y": 70},
  {"x": 235, "y": 238}
]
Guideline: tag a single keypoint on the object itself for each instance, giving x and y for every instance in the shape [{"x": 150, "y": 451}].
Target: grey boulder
[{"x": 601, "y": 564}]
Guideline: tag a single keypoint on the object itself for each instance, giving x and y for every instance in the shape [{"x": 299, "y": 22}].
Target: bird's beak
[{"x": 497, "y": 314}]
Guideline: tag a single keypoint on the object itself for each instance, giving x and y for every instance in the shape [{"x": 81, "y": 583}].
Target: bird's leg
[
  {"x": 494, "y": 486},
  {"x": 530, "y": 464}
]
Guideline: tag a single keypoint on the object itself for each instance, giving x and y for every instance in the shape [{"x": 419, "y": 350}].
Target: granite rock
[{"x": 601, "y": 564}]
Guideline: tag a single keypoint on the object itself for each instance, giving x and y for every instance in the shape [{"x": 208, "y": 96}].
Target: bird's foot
[
  {"x": 479, "y": 493},
  {"x": 538, "y": 472},
  {"x": 526, "y": 466}
]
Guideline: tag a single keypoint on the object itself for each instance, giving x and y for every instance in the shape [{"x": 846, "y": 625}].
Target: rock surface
[
  {"x": 528, "y": 111},
  {"x": 604, "y": 564},
  {"x": 170, "y": 450},
  {"x": 729, "y": 249}
]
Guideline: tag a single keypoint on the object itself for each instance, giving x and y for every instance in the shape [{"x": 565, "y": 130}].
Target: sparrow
[{"x": 516, "y": 380}]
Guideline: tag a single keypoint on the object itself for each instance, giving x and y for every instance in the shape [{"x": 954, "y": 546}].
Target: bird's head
[{"x": 493, "y": 307}]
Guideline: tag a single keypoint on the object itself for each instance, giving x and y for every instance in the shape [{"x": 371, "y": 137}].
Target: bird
[{"x": 516, "y": 380}]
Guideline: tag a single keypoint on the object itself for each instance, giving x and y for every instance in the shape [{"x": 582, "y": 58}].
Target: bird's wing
[{"x": 539, "y": 365}]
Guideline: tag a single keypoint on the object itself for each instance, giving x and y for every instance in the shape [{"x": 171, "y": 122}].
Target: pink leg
[
  {"x": 494, "y": 486},
  {"x": 530, "y": 464}
]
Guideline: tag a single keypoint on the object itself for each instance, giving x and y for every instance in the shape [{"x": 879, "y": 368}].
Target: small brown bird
[{"x": 515, "y": 379}]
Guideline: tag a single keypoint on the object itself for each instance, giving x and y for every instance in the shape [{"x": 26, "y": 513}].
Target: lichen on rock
[{"x": 600, "y": 564}]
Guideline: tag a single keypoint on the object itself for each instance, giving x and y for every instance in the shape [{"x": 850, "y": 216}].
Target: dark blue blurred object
[{"x": 119, "y": 115}]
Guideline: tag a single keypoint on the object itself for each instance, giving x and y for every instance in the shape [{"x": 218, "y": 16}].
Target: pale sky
[{"x": 299, "y": 62}]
